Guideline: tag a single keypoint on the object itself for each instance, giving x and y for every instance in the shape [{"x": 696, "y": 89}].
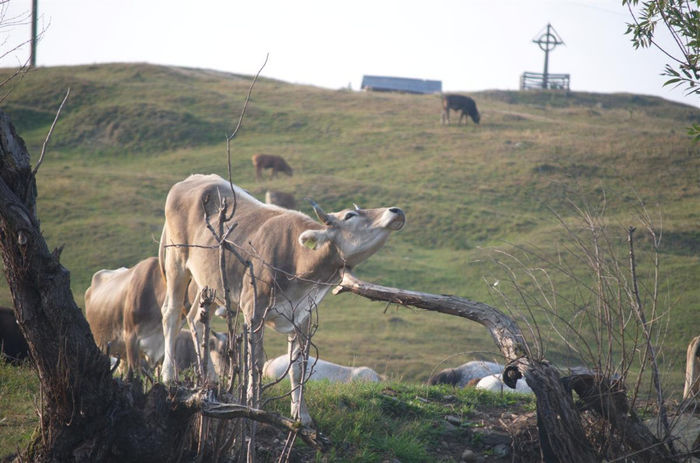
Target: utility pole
[
  {"x": 547, "y": 41},
  {"x": 32, "y": 56}
]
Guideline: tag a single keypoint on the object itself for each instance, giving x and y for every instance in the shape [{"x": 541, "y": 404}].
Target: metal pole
[
  {"x": 32, "y": 56},
  {"x": 545, "y": 77}
]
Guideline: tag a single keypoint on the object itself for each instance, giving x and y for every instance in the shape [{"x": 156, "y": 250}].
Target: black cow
[
  {"x": 13, "y": 346},
  {"x": 459, "y": 103}
]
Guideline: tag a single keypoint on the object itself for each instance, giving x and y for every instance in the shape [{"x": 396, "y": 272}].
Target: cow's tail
[{"x": 161, "y": 250}]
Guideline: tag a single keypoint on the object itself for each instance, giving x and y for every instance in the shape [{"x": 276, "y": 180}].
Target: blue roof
[{"x": 401, "y": 84}]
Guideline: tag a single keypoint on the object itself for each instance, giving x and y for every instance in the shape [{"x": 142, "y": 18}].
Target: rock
[
  {"x": 501, "y": 450},
  {"x": 468, "y": 455},
  {"x": 686, "y": 428},
  {"x": 495, "y": 438}
]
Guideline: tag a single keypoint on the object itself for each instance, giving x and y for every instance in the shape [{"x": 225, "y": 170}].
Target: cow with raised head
[
  {"x": 295, "y": 260},
  {"x": 272, "y": 162},
  {"x": 122, "y": 307},
  {"x": 464, "y": 104}
]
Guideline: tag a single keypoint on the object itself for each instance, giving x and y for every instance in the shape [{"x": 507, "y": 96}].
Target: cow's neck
[{"x": 324, "y": 264}]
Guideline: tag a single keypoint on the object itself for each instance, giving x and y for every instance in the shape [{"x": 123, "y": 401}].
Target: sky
[{"x": 469, "y": 45}]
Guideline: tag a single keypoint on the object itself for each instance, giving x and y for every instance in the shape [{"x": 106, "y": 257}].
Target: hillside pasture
[{"x": 130, "y": 131}]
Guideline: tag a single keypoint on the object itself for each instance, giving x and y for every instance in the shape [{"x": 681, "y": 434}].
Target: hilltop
[{"x": 129, "y": 131}]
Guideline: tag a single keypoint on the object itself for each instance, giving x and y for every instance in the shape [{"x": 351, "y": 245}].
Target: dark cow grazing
[
  {"x": 123, "y": 309},
  {"x": 270, "y": 161},
  {"x": 280, "y": 199},
  {"x": 296, "y": 262},
  {"x": 462, "y": 103},
  {"x": 13, "y": 346}
]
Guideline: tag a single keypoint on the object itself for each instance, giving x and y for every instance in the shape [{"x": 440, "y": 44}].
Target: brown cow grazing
[
  {"x": 186, "y": 355},
  {"x": 123, "y": 309},
  {"x": 462, "y": 103},
  {"x": 13, "y": 346},
  {"x": 281, "y": 199},
  {"x": 296, "y": 262},
  {"x": 270, "y": 161}
]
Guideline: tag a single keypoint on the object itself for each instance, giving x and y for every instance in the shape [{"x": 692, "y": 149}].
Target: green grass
[
  {"x": 19, "y": 391},
  {"x": 374, "y": 422},
  {"x": 130, "y": 131}
]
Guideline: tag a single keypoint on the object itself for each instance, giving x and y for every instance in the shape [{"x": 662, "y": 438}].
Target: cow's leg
[
  {"x": 258, "y": 172},
  {"x": 297, "y": 373},
  {"x": 133, "y": 358},
  {"x": 176, "y": 288},
  {"x": 445, "y": 116},
  {"x": 194, "y": 321}
]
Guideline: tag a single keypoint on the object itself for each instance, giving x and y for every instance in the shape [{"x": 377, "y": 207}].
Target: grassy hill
[{"x": 129, "y": 131}]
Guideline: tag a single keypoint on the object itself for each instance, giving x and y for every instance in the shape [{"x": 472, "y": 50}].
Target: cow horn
[
  {"x": 357, "y": 208},
  {"x": 322, "y": 216}
]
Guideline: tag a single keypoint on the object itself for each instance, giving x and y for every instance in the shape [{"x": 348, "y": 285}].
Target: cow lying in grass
[
  {"x": 318, "y": 369},
  {"x": 494, "y": 383},
  {"x": 13, "y": 346},
  {"x": 462, "y": 375}
]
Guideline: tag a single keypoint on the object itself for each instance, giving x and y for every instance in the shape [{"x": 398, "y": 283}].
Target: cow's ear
[{"x": 312, "y": 239}]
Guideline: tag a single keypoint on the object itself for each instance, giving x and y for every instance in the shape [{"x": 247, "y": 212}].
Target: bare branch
[
  {"x": 48, "y": 136},
  {"x": 505, "y": 332}
]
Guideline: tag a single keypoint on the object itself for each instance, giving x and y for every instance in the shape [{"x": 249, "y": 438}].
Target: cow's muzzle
[{"x": 398, "y": 220}]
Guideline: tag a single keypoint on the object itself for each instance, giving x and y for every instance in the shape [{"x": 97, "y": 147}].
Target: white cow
[
  {"x": 295, "y": 260},
  {"x": 494, "y": 383},
  {"x": 320, "y": 369}
]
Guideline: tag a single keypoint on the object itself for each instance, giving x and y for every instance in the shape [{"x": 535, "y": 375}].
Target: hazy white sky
[{"x": 469, "y": 45}]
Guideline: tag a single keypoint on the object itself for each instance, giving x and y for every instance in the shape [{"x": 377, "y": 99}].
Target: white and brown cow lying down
[
  {"x": 122, "y": 307},
  {"x": 296, "y": 261},
  {"x": 319, "y": 370},
  {"x": 464, "y": 374},
  {"x": 494, "y": 383}
]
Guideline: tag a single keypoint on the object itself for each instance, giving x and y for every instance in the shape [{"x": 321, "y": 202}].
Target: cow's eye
[{"x": 349, "y": 215}]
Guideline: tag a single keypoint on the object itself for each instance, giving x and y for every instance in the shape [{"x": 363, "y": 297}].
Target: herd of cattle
[{"x": 135, "y": 313}]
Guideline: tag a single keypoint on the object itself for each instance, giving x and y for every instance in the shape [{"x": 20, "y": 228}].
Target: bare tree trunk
[{"x": 562, "y": 437}]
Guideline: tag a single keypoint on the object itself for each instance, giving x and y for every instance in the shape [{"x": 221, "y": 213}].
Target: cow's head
[
  {"x": 356, "y": 233},
  {"x": 218, "y": 344}
]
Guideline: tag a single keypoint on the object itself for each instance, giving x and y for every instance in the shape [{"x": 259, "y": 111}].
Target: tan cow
[
  {"x": 281, "y": 199},
  {"x": 122, "y": 307},
  {"x": 270, "y": 161},
  {"x": 296, "y": 261}
]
